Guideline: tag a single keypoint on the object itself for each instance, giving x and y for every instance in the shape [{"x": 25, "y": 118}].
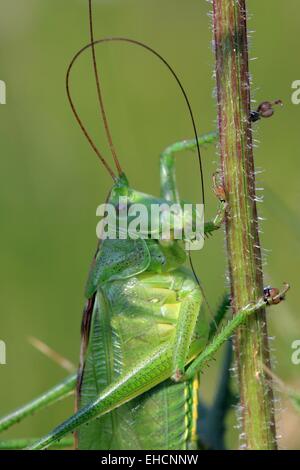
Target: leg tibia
[
  {"x": 219, "y": 339},
  {"x": 216, "y": 223},
  {"x": 188, "y": 314},
  {"x": 272, "y": 296},
  {"x": 144, "y": 375},
  {"x": 169, "y": 189},
  {"x": 218, "y": 189}
]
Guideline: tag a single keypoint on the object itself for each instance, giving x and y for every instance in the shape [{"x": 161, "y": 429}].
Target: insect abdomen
[{"x": 131, "y": 317}]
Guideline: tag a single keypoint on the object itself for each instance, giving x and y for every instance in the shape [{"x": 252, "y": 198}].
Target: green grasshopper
[{"x": 145, "y": 338}]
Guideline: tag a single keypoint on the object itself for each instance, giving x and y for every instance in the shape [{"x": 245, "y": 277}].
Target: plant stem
[{"x": 243, "y": 246}]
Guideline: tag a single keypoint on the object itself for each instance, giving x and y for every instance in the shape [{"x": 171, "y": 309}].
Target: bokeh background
[{"x": 51, "y": 182}]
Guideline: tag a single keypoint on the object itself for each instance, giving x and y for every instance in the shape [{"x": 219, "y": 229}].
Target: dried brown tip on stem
[
  {"x": 51, "y": 354},
  {"x": 218, "y": 187},
  {"x": 273, "y": 295},
  {"x": 265, "y": 110}
]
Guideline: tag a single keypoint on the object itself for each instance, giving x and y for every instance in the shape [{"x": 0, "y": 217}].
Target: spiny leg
[
  {"x": 53, "y": 395},
  {"x": 271, "y": 297},
  {"x": 190, "y": 306},
  {"x": 216, "y": 223},
  {"x": 144, "y": 375},
  {"x": 191, "y": 300},
  {"x": 169, "y": 189},
  {"x": 168, "y": 179},
  {"x": 148, "y": 371}
]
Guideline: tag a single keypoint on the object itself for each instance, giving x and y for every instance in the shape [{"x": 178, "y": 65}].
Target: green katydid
[{"x": 144, "y": 335}]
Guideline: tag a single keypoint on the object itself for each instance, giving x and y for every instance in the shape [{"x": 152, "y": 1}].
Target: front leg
[
  {"x": 216, "y": 223},
  {"x": 169, "y": 190}
]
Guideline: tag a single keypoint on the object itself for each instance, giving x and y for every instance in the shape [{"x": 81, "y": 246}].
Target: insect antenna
[
  {"x": 83, "y": 128},
  {"x": 99, "y": 93},
  {"x": 164, "y": 61}
]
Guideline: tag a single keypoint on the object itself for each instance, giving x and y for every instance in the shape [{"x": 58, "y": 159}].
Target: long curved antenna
[
  {"x": 148, "y": 48},
  {"x": 99, "y": 93},
  {"x": 83, "y": 128}
]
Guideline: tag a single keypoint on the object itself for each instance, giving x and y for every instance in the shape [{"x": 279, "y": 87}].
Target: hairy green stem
[{"x": 243, "y": 246}]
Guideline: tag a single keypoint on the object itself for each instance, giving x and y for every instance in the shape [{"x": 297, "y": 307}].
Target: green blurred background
[{"x": 51, "y": 182}]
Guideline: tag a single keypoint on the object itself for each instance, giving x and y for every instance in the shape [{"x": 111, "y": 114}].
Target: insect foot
[
  {"x": 264, "y": 110},
  {"x": 178, "y": 376},
  {"x": 273, "y": 296},
  {"x": 218, "y": 187}
]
